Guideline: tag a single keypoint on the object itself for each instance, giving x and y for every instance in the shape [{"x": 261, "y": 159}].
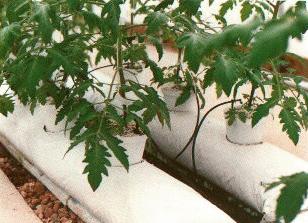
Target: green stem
[
  {"x": 276, "y": 9},
  {"x": 252, "y": 93},
  {"x": 120, "y": 63},
  {"x": 120, "y": 71},
  {"x": 177, "y": 73}
]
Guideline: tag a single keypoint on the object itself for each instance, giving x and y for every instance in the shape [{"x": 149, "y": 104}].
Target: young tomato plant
[{"x": 43, "y": 44}]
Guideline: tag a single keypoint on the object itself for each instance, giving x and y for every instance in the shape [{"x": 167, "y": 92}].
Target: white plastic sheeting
[
  {"x": 144, "y": 195},
  {"x": 241, "y": 170}
]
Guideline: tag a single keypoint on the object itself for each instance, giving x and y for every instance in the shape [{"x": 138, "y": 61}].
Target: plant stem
[
  {"x": 276, "y": 9},
  {"x": 120, "y": 70},
  {"x": 177, "y": 73},
  {"x": 252, "y": 93}
]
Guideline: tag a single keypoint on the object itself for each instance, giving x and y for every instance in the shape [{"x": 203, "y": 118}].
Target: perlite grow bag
[
  {"x": 144, "y": 195},
  {"x": 240, "y": 170}
]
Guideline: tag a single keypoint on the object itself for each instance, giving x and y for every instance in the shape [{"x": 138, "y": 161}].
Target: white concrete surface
[
  {"x": 241, "y": 170},
  {"x": 13, "y": 208},
  {"x": 145, "y": 194}
]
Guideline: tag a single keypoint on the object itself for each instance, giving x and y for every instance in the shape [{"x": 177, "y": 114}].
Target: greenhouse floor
[
  {"x": 13, "y": 207},
  {"x": 20, "y": 192}
]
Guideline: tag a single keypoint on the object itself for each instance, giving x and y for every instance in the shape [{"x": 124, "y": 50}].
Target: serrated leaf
[
  {"x": 158, "y": 73},
  {"x": 74, "y": 4},
  {"x": 92, "y": 20},
  {"x": 242, "y": 116},
  {"x": 184, "y": 96},
  {"x": 292, "y": 195},
  {"x": 246, "y": 10},
  {"x": 225, "y": 7},
  {"x": 158, "y": 45},
  {"x": 149, "y": 100},
  {"x": 6, "y": 105},
  {"x": 119, "y": 153},
  {"x": 8, "y": 35},
  {"x": 194, "y": 49},
  {"x": 111, "y": 14},
  {"x": 218, "y": 90},
  {"x": 36, "y": 71},
  {"x": 163, "y": 4},
  {"x": 262, "y": 111},
  {"x": 17, "y": 10},
  {"x": 225, "y": 73},
  {"x": 97, "y": 163},
  {"x": 42, "y": 17},
  {"x": 290, "y": 120},
  {"x": 277, "y": 33},
  {"x": 155, "y": 21},
  {"x": 113, "y": 144},
  {"x": 231, "y": 116},
  {"x": 190, "y": 7}
]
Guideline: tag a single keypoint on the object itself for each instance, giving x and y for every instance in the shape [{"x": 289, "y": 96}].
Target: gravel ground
[{"x": 44, "y": 204}]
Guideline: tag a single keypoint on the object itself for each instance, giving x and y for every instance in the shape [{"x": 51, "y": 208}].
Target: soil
[{"x": 44, "y": 204}]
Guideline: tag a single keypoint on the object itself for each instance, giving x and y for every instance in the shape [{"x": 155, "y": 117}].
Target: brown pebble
[
  {"x": 63, "y": 220},
  {"x": 56, "y": 207},
  {"x": 41, "y": 216},
  {"x": 45, "y": 200},
  {"x": 48, "y": 212},
  {"x": 73, "y": 216},
  {"x": 39, "y": 188},
  {"x": 24, "y": 194}
]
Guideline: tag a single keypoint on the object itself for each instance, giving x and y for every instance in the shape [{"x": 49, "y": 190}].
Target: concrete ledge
[{"x": 13, "y": 208}]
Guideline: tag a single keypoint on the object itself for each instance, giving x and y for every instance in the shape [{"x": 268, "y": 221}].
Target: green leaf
[
  {"x": 42, "y": 17},
  {"x": 112, "y": 113},
  {"x": 117, "y": 150},
  {"x": 231, "y": 116},
  {"x": 111, "y": 14},
  {"x": 158, "y": 45},
  {"x": 8, "y": 36},
  {"x": 97, "y": 163},
  {"x": 113, "y": 143},
  {"x": 225, "y": 73},
  {"x": 74, "y": 4},
  {"x": 194, "y": 49},
  {"x": 149, "y": 100},
  {"x": 38, "y": 70},
  {"x": 292, "y": 195},
  {"x": 190, "y": 7},
  {"x": 225, "y": 7},
  {"x": 242, "y": 116},
  {"x": 155, "y": 21},
  {"x": 246, "y": 10},
  {"x": 289, "y": 119},
  {"x": 262, "y": 111},
  {"x": 17, "y": 10},
  {"x": 163, "y": 4},
  {"x": 184, "y": 96},
  {"x": 80, "y": 89},
  {"x": 92, "y": 20},
  {"x": 6, "y": 105},
  {"x": 277, "y": 33},
  {"x": 157, "y": 72}
]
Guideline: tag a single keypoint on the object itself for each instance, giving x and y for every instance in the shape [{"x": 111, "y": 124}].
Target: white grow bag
[
  {"x": 240, "y": 170},
  {"x": 144, "y": 195}
]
